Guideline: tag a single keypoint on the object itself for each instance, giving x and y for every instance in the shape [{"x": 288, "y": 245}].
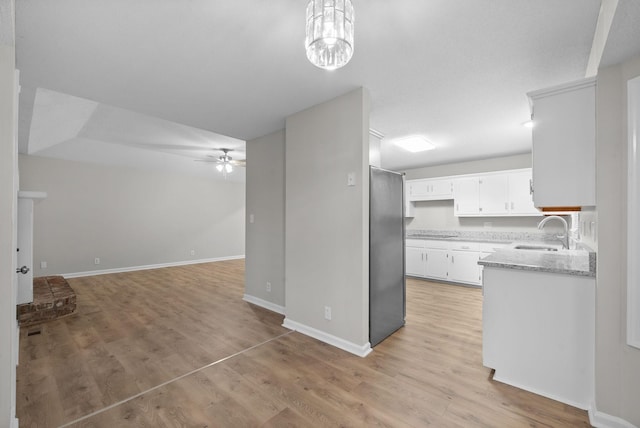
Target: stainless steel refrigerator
[{"x": 386, "y": 254}]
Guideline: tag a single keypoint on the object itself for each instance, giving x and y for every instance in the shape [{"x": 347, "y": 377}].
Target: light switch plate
[{"x": 351, "y": 179}]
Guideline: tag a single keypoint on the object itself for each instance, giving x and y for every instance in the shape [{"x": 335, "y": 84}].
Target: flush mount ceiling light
[
  {"x": 414, "y": 144},
  {"x": 528, "y": 124},
  {"x": 329, "y": 40}
]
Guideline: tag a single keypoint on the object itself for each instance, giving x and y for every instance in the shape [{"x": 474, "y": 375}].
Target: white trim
[
  {"x": 15, "y": 423},
  {"x": 633, "y": 214},
  {"x": 147, "y": 267},
  {"x": 583, "y": 406},
  {"x": 359, "y": 350},
  {"x": 604, "y": 420},
  {"x": 263, "y": 304},
  {"x": 600, "y": 35}
]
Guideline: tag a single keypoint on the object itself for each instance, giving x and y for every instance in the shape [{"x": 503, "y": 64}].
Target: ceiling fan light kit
[{"x": 329, "y": 35}]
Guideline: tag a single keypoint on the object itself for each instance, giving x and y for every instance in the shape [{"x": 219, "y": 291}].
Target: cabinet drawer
[
  {"x": 414, "y": 243},
  {"x": 438, "y": 245},
  {"x": 466, "y": 246}
]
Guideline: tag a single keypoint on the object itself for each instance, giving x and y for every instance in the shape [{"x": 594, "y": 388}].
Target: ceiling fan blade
[{"x": 241, "y": 162}]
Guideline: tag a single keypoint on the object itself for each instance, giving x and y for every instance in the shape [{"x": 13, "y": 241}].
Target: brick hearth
[{"x": 52, "y": 298}]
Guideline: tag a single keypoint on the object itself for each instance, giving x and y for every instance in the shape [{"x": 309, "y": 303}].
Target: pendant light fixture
[{"x": 329, "y": 40}]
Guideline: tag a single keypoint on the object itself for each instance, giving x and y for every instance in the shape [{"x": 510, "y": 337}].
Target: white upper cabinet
[
  {"x": 494, "y": 194},
  {"x": 505, "y": 193},
  {"x": 564, "y": 145},
  {"x": 430, "y": 189},
  {"x": 466, "y": 196},
  {"x": 520, "y": 194}
]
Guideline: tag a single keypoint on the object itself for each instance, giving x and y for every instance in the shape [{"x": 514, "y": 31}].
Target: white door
[{"x": 25, "y": 250}]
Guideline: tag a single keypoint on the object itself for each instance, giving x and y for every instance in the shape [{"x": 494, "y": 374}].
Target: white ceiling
[{"x": 456, "y": 72}]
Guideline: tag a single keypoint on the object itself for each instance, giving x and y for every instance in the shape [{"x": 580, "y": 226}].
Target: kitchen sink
[{"x": 535, "y": 247}]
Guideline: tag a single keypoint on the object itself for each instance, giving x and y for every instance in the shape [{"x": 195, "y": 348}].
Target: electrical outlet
[
  {"x": 327, "y": 313},
  {"x": 268, "y": 287},
  {"x": 96, "y": 261},
  {"x": 43, "y": 265},
  {"x": 193, "y": 252},
  {"x": 251, "y": 218},
  {"x": 351, "y": 179}
]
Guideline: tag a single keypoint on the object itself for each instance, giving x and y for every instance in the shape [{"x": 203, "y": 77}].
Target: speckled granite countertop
[
  {"x": 567, "y": 262},
  {"x": 480, "y": 236}
]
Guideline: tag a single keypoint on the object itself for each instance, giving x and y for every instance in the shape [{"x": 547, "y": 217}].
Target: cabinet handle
[
  {"x": 457, "y": 207},
  {"x": 506, "y": 206},
  {"x": 422, "y": 256},
  {"x": 480, "y": 209},
  {"x": 531, "y": 186},
  {"x": 452, "y": 259}
]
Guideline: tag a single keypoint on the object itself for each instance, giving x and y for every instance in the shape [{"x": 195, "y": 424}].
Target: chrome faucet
[{"x": 564, "y": 238}]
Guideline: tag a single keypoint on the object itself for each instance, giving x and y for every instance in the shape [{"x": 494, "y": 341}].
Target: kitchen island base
[{"x": 538, "y": 332}]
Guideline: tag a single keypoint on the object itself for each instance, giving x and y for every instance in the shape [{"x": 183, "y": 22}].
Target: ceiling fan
[{"x": 225, "y": 163}]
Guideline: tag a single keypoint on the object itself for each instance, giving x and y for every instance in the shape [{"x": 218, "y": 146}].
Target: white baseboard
[
  {"x": 147, "y": 267},
  {"x": 602, "y": 420},
  {"x": 264, "y": 304},
  {"x": 361, "y": 351},
  {"x": 15, "y": 423},
  {"x": 565, "y": 400}
]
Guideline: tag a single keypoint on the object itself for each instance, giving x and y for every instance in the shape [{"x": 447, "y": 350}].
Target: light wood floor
[{"x": 163, "y": 330}]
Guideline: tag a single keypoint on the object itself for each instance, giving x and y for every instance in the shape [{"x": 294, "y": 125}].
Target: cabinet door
[
  {"x": 564, "y": 145},
  {"x": 494, "y": 194},
  {"x": 440, "y": 189},
  {"x": 520, "y": 195},
  {"x": 437, "y": 263},
  {"x": 418, "y": 190},
  {"x": 464, "y": 267},
  {"x": 414, "y": 261},
  {"x": 465, "y": 193}
]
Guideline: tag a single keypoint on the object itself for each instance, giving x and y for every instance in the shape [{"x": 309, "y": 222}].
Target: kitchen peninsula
[{"x": 539, "y": 321}]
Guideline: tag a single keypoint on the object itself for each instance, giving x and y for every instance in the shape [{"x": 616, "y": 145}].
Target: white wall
[
  {"x": 326, "y": 223},
  {"x": 265, "y": 236},
  {"x": 128, "y": 217},
  {"x": 439, "y": 215},
  {"x": 8, "y": 153},
  {"x": 617, "y": 364}
]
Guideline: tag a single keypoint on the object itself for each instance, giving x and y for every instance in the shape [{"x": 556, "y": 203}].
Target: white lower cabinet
[
  {"x": 414, "y": 257},
  {"x": 445, "y": 260},
  {"x": 414, "y": 261},
  {"x": 463, "y": 266},
  {"x": 437, "y": 265}
]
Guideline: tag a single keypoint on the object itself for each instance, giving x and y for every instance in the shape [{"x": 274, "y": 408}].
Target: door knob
[{"x": 22, "y": 270}]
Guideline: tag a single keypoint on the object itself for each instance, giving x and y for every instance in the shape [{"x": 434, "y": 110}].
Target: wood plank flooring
[{"x": 179, "y": 347}]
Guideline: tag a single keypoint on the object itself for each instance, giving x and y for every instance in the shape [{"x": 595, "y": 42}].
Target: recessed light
[{"x": 414, "y": 144}]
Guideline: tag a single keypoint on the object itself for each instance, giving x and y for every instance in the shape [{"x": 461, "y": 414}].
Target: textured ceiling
[{"x": 456, "y": 72}]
